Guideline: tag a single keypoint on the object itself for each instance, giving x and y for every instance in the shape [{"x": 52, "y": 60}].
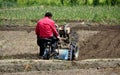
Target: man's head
[{"x": 48, "y": 14}]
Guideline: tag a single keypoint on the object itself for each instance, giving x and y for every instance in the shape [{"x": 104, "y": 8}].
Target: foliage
[
  {"x": 22, "y": 3},
  {"x": 88, "y": 13}
]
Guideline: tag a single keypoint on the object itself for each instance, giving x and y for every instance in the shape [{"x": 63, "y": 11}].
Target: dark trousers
[{"x": 41, "y": 44}]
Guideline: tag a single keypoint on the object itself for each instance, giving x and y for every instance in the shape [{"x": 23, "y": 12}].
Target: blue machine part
[{"x": 63, "y": 54}]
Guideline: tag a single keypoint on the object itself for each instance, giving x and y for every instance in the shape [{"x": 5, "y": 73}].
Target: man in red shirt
[{"x": 45, "y": 28}]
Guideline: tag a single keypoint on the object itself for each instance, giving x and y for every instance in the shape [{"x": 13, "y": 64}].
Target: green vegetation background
[
  {"x": 27, "y": 12},
  {"x": 22, "y": 3}
]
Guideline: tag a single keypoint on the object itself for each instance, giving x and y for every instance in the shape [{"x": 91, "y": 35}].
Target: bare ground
[
  {"x": 95, "y": 42},
  {"x": 109, "y": 71},
  {"x": 58, "y": 67}
]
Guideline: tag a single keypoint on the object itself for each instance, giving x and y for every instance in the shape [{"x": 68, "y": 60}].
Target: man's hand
[{"x": 59, "y": 38}]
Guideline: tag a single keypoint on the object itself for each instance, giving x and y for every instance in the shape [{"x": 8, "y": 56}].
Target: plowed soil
[
  {"x": 105, "y": 44},
  {"x": 95, "y": 41}
]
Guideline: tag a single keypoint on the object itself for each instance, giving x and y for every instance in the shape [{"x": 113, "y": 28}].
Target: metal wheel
[{"x": 76, "y": 52}]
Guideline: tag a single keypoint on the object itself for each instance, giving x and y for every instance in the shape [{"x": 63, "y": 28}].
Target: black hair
[{"x": 48, "y": 14}]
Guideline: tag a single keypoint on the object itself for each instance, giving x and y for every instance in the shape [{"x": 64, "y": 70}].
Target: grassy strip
[{"x": 89, "y": 13}]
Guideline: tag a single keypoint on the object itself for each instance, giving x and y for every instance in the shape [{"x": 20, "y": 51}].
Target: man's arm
[
  {"x": 55, "y": 33},
  {"x": 37, "y": 29}
]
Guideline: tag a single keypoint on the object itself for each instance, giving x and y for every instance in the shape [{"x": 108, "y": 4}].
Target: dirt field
[
  {"x": 71, "y": 72},
  {"x": 95, "y": 41}
]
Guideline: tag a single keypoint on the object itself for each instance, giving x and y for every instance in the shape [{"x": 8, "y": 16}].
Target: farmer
[{"x": 45, "y": 28}]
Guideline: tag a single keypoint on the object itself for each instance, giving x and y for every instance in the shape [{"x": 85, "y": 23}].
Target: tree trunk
[
  {"x": 95, "y": 2},
  {"x": 113, "y": 2},
  {"x": 85, "y": 2},
  {"x": 62, "y": 2},
  {"x": 71, "y": 2}
]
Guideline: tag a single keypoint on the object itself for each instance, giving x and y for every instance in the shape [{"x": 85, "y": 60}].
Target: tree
[
  {"x": 95, "y": 2},
  {"x": 85, "y": 2},
  {"x": 73, "y": 2},
  {"x": 62, "y": 2},
  {"x": 114, "y": 2}
]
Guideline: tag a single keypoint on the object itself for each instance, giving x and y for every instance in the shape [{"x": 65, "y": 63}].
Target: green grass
[{"x": 88, "y": 13}]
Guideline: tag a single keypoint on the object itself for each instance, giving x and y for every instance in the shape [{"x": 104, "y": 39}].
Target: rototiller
[{"x": 66, "y": 50}]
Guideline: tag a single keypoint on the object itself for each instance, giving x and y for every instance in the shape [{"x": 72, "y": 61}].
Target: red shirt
[{"x": 45, "y": 28}]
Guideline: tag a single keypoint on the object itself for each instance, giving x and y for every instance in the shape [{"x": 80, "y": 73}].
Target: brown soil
[
  {"x": 105, "y": 44},
  {"x": 98, "y": 41},
  {"x": 94, "y": 41},
  {"x": 58, "y": 67},
  {"x": 109, "y": 71}
]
